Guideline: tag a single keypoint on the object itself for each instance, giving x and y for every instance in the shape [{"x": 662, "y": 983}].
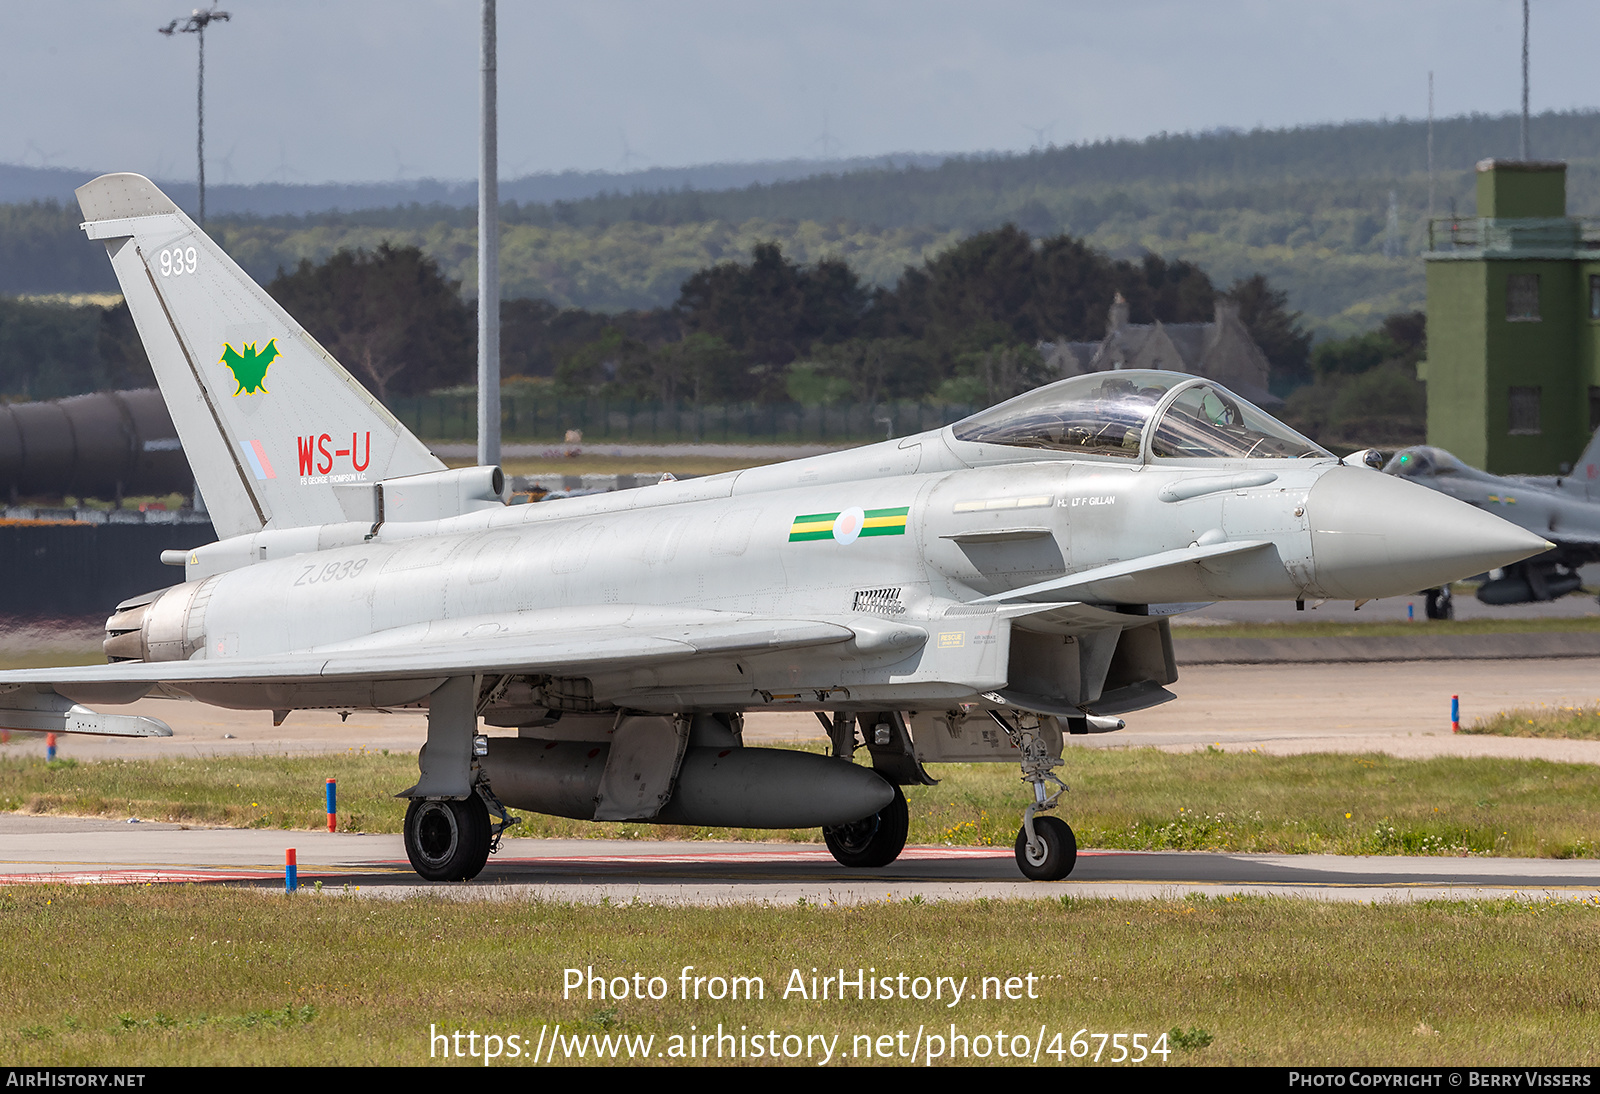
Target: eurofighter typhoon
[
  {"x": 974, "y": 593},
  {"x": 1564, "y": 508}
]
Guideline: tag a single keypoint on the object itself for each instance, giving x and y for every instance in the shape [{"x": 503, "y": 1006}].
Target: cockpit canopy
[
  {"x": 1425, "y": 460},
  {"x": 1112, "y": 413}
]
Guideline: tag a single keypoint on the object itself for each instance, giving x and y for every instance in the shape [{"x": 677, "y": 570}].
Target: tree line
[{"x": 961, "y": 327}]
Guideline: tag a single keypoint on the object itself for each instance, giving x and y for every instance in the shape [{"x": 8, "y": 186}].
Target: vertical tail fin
[
  {"x": 1584, "y": 479},
  {"x": 272, "y": 425}
]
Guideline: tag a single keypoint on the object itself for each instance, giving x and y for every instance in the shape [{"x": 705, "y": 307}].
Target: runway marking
[{"x": 765, "y": 855}]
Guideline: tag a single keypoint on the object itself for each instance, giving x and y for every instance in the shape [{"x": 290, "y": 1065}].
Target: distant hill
[
  {"x": 1310, "y": 208},
  {"x": 25, "y": 184}
]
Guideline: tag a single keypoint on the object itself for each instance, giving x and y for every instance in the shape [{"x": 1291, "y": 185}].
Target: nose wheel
[
  {"x": 1052, "y": 853},
  {"x": 1046, "y": 848},
  {"x": 448, "y": 840}
]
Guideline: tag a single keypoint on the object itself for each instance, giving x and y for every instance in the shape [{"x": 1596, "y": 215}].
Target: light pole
[
  {"x": 488, "y": 253},
  {"x": 196, "y": 24}
]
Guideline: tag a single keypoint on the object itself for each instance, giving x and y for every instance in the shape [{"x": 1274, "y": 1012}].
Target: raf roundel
[{"x": 848, "y": 524}]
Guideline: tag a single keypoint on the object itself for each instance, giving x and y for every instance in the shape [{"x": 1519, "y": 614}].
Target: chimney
[{"x": 1119, "y": 314}]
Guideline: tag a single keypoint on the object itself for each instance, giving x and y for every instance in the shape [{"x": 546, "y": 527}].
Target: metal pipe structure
[{"x": 107, "y": 445}]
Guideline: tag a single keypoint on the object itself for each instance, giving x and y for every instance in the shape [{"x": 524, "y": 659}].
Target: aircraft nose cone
[{"x": 1376, "y": 535}]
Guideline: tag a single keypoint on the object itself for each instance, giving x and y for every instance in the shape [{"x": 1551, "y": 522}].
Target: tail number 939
[{"x": 177, "y": 261}]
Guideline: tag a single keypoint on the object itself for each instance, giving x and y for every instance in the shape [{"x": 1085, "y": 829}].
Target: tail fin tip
[{"x": 122, "y": 194}]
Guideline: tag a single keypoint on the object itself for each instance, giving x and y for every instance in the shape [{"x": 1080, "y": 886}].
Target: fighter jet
[
  {"x": 1563, "y": 509},
  {"x": 974, "y": 593}
]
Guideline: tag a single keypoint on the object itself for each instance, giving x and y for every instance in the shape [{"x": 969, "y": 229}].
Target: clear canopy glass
[
  {"x": 1110, "y": 414},
  {"x": 1424, "y": 460},
  {"x": 1209, "y": 422},
  {"x": 1102, "y": 414}
]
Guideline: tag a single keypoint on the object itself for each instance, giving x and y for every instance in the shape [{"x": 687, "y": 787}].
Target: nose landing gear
[{"x": 1046, "y": 848}]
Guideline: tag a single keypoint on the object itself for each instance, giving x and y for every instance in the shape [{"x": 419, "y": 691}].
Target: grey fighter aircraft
[
  {"x": 1563, "y": 509},
  {"x": 973, "y": 593}
]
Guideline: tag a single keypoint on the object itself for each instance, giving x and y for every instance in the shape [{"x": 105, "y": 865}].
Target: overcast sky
[{"x": 369, "y": 90}]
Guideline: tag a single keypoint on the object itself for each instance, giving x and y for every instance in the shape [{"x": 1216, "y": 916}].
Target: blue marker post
[
  {"x": 333, "y": 806},
  {"x": 1455, "y": 714},
  {"x": 291, "y": 872},
  {"x": 1411, "y": 613}
]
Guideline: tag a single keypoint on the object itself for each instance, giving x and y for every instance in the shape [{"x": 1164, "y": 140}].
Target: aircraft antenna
[{"x": 196, "y": 24}]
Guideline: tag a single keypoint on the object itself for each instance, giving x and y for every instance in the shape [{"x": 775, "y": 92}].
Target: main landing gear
[
  {"x": 872, "y": 841},
  {"x": 447, "y": 840},
  {"x": 451, "y": 840},
  {"x": 876, "y": 840},
  {"x": 1439, "y": 604}
]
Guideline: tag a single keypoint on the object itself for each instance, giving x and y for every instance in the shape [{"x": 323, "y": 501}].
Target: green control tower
[{"x": 1513, "y": 367}]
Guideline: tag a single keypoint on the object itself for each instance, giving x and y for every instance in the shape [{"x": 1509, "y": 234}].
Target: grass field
[
  {"x": 213, "y": 975},
  {"x": 1574, "y": 723},
  {"x": 1141, "y": 799}
]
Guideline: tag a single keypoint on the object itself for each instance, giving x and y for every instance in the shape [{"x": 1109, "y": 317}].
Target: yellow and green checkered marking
[{"x": 879, "y": 522}]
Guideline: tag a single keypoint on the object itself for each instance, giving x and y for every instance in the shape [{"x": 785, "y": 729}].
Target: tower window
[
  {"x": 1524, "y": 410},
  {"x": 1522, "y": 298}
]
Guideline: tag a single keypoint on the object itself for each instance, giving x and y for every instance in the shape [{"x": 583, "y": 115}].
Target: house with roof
[{"x": 1221, "y": 350}]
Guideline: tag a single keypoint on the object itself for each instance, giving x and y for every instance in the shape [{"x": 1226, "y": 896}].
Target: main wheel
[
  {"x": 447, "y": 840},
  {"x": 871, "y": 841},
  {"x": 1439, "y": 604},
  {"x": 1055, "y": 854}
]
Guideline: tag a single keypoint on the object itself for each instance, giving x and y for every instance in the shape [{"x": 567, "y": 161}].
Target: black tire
[
  {"x": 871, "y": 841},
  {"x": 1440, "y": 604},
  {"x": 447, "y": 840},
  {"x": 1060, "y": 850}
]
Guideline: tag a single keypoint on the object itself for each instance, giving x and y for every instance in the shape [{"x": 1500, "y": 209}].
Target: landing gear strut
[
  {"x": 876, "y": 840},
  {"x": 1046, "y": 848}
]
